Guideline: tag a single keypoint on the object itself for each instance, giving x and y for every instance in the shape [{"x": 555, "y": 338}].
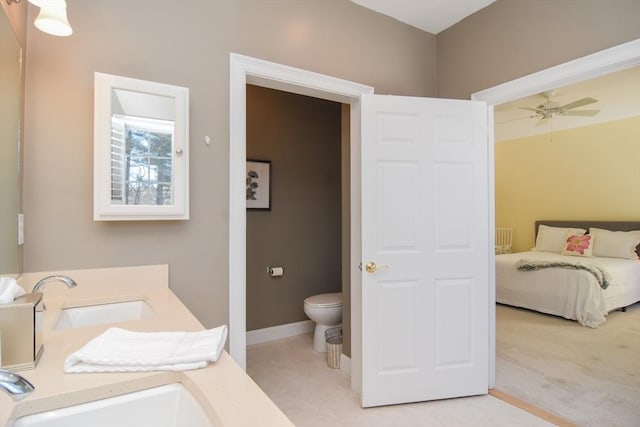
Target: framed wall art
[{"x": 259, "y": 184}]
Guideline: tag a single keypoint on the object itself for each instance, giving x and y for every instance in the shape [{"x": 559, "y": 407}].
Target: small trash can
[{"x": 334, "y": 347}]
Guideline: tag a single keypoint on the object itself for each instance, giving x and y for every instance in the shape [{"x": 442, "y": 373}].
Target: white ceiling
[
  {"x": 432, "y": 16},
  {"x": 618, "y": 96}
]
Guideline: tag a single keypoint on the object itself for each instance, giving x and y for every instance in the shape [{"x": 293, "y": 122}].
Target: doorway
[
  {"x": 610, "y": 60},
  {"x": 275, "y": 76}
]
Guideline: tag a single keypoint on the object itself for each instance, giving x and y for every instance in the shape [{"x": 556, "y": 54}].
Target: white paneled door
[{"x": 425, "y": 249}]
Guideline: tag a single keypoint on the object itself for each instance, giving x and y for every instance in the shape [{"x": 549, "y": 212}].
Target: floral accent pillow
[
  {"x": 578, "y": 245},
  {"x": 552, "y": 239}
]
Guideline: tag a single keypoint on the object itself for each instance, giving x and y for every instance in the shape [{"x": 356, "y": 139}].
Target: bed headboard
[{"x": 607, "y": 225}]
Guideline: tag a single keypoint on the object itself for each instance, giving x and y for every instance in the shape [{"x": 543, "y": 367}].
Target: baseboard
[
  {"x": 278, "y": 332},
  {"x": 345, "y": 363}
]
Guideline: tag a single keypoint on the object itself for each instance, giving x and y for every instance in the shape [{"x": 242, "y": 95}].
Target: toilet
[{"x": 326, "y": 311}]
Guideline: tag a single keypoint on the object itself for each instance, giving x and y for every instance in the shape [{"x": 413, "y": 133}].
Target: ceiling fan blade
[
  {"x": 542, "y": 121},
  {"x": 578, "y": 103},
  {"x": 585, "y": 113},
  {"x": 530, "y": 109}
]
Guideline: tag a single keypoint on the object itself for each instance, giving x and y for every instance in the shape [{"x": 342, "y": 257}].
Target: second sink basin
[
  {"x": 170, "y": 405},
  {"x": 100, "y": 314}
]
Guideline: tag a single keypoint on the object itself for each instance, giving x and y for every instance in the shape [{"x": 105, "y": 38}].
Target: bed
[{"x": 571, "y": 285}]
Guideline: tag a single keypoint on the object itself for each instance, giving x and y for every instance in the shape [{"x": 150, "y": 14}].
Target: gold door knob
[{"x": 371, "y": 267}]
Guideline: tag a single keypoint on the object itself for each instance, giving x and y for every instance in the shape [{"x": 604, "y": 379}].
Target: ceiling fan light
[{"x": 52, "y": 18}]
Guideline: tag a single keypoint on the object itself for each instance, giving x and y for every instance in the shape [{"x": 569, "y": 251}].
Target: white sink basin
[
  {"x": 166, "y": 406},
  {"x": 100, "y": 314}
]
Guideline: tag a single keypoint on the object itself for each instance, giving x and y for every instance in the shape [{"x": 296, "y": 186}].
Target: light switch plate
[{"x": 20, "y": 229}]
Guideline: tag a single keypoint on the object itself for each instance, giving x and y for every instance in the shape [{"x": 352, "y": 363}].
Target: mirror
[
  {"x": 141, "y": 149},
  {"x": 10, "y": 120}
]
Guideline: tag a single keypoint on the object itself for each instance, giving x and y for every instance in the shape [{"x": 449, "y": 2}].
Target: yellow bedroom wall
[{"x": 587, "y": 173}]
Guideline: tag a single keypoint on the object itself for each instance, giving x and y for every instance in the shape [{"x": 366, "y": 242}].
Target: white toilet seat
[{"x": 324, "y": 300}]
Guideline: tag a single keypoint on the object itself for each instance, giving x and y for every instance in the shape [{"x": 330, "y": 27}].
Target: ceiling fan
[{"x": 551, "y": 108}]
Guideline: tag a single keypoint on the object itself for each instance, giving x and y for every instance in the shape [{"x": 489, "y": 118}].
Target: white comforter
[{"x": 572, "y": 294}]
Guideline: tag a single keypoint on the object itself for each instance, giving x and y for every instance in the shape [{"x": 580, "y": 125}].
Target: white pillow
[
  {"x": 552, "y": 239},
  {"x": 615, "y": 244}
]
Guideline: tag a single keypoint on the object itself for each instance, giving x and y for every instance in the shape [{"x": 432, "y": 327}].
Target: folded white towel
[
  {"x": 119, "y": 350},
  {"x": 9, "y": 290}
]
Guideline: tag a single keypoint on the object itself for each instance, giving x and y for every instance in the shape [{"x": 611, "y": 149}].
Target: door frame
[
  {"x": 604, "y": 62},
  {"x": 247, "y": 70}
]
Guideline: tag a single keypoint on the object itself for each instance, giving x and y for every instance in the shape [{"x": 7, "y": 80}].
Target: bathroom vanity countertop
[{"x": 226, "y": 392}]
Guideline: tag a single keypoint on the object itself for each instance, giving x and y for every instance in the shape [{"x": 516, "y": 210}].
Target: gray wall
[
  {"x": 514, "y": 38},
  {"x": 10, "y": 120},
  {"x": 186, "y": 43},
  {"x": 301, "y": 137},
  {"x": 346, "y": 228},
  {"x": 12, "y": 106}
]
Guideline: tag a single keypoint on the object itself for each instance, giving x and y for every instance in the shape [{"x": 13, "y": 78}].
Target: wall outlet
[{"x": 20, "y": 229}]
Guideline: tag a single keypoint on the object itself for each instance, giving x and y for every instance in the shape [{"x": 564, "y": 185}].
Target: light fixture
[{"x": 52, "y": 18}]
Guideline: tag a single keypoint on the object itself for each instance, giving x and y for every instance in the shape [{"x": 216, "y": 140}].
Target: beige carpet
[
  {"x": 590, "y": 377},
  {"x": 311, "y": 394}
]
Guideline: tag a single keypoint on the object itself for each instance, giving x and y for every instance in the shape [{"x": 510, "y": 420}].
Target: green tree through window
[{"x": 148, "y": 171}]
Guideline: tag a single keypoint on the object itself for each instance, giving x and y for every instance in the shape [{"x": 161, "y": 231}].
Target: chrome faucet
[
  {"x": 15, "y": 385},
  {"x": 64, "y": 279},
  {"x": 59, "y": 277}
]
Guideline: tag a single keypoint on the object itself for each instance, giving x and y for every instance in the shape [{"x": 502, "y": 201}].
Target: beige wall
[
  {"x": 301, "y": 137},
  {"x": 588, "y": 173},
  {"x": 17, "y": 14},
  {"x": 186, "y": 43},
  {"x": 514, "y": 38}
]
